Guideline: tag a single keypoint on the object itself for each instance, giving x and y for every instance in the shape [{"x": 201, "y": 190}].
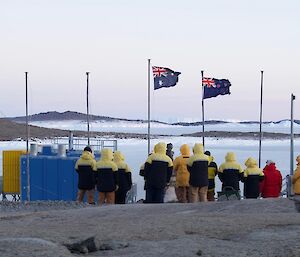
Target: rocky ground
[{"x": 269, "y": 227}]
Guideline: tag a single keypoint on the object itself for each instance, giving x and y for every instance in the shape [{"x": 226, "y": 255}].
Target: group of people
[
  {"x": 195, "y": 175},
  {"x": 111, "y": 176}
]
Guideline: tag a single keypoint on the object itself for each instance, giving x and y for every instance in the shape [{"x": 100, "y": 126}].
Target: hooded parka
[
  {"x": 198, "y": 167},
  {"x": 230, "y": 172},
  {"x": 296, "y": 177},
  {"x": 252, "y": 177},
  {"x": 123, "y": 173},
  {"x": 107, "y": 179},
  {"x": 158, "y": 167},
  {"x": 180, "y": 167},
  {"x": 272, "y": 183},
  {"x": 86, "y": 168}
]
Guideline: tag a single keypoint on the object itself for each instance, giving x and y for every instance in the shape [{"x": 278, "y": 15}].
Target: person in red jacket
[{"x": 271, "y": 185}]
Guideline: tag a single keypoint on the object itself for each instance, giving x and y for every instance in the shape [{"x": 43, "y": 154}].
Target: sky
[{"x": 58, "y": 41}]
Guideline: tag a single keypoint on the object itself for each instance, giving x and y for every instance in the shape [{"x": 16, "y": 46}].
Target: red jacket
[{"x": 271, "y": 185}]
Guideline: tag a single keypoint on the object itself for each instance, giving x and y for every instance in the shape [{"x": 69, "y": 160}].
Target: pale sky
[{"x": 57, "y": 41}]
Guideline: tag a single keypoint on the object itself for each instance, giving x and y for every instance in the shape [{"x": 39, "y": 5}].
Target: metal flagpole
[
  {"x": 260, "y": 117},
  {"x": 293, "y": 97},
  {"x": 87, "y": 106},
  {"x": 202, "y": 72},
  {"x": 149, "y": 106},
  {"x": 27, "y": 139}
]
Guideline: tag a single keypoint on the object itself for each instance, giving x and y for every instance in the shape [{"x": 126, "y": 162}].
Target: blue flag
[
  {"x": 164, "y": 77},
  {"x": 214, "y": 87}
]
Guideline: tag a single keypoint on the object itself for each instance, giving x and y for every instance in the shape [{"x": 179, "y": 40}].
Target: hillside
[{"x": 71, "y": 115}]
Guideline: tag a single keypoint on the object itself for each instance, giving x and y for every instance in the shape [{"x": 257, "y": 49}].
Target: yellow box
[{"x": 11, "y": 171}]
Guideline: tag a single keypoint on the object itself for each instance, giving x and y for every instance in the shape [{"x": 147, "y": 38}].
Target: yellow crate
[{"x": 11, "y": 171}]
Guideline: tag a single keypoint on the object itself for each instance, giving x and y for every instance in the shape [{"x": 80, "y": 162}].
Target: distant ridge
[{"x": 71, "y": 115}]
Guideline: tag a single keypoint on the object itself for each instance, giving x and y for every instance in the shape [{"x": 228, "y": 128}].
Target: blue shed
[{"x": 52, "y": 177}]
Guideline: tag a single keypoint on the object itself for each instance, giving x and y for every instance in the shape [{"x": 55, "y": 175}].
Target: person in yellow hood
[
  {"x": 86, "y": 168},
  {"x": 197, "y": 165},
  {"x": 182, "y": 174},
  {"x": 124, "y": 177},
  {"x": 252, "y": 176},
  {"x": 296, "y": 178},
  {"x": 230, "y": 172},
  {"x": 212, "y": 173},
  {"x": 158, "y": 171},
  {"x": 107, "y": 179}
]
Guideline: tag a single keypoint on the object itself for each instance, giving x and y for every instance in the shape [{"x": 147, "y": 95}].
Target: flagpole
[
  {"x": 87, "y": 106},
  {"x": 149, "y": 106},
  {"x": 293, "y": 97},
  {"x": 202, "y": 72},
  {"x": 27, "y": 138},
  {"x": 260, "y": 116}
]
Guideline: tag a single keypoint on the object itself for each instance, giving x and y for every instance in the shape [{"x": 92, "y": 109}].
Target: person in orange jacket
[
  {"x": 296, "y": 178},
  {"x": 182, "y": 174}
]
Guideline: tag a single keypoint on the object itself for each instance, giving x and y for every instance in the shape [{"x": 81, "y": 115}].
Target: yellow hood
[
  {"x": 160, "y": 148},
  {"x": 198, "y": 149},
  {"x": 185, "y": 150},
  {"x": 118, "y": 156},
  {"x": 230, "y": 157},
  {"x": 251, "y": 163},
  {"x": 86, "y": 155},
  {"x": 106, "y": 154},
  {"x": 298, "y": 159}
]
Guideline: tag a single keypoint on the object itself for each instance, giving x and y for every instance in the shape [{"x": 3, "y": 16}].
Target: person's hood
[
  {"x": 107, "y": 154},
  {"x": 230, "y": 157},
  {"x": 298, "y": 159},
  {"x": 160, "y": 148},
  {"x": 198, "y": 149},
  {"x": 169, "y": 146},
  {"x": 118, "y": 156},
  {"x": 251, "y": 163},
  {"x": 271, "y": 167},
  {"x": 185, "y": 150},
  {"x": 86, "y": 155}
]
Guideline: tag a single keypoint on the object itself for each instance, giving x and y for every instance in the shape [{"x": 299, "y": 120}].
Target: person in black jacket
[
  {"x": 157, "y": 172},
  {"x": 252, "y": 176},
  {"x": 197, "y": 165},
  {"x": 86, "y": 168},
  {"x": 124, "y": 177},
  {"x": 107, "y": 179}
]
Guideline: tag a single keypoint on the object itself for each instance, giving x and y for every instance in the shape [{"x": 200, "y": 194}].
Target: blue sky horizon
[{"x": 58, "y": 41}]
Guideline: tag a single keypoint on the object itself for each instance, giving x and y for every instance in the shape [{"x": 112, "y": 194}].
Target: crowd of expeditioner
[{"x": 192, "y": 175}]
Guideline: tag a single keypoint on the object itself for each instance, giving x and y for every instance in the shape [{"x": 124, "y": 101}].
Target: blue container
[{"x": 51, "y": 177}]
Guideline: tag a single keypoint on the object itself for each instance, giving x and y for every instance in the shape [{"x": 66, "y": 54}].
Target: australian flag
[
  {"x": 214, "y": 87},
  {"x": 164, "y": 77}
]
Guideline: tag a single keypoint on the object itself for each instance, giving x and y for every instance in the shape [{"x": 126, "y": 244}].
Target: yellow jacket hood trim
[
  {"x": 251, "y": 163},
  {"x": 230, "y": 163},
  {"x": 160, "y": 148},
  {"x": 298, "y": 159},
  {"x": 106, "y": 155},
  {"x": 160, "y": 154},
  {"x": 185, "y": 150},
  {"x": 198, "y": 149},
  {"x": 86, "y": 158},
  {"x": 105, "y": 161},
  {"x": 119, "y": 161},
  {"x": 230, "y": 157}
]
